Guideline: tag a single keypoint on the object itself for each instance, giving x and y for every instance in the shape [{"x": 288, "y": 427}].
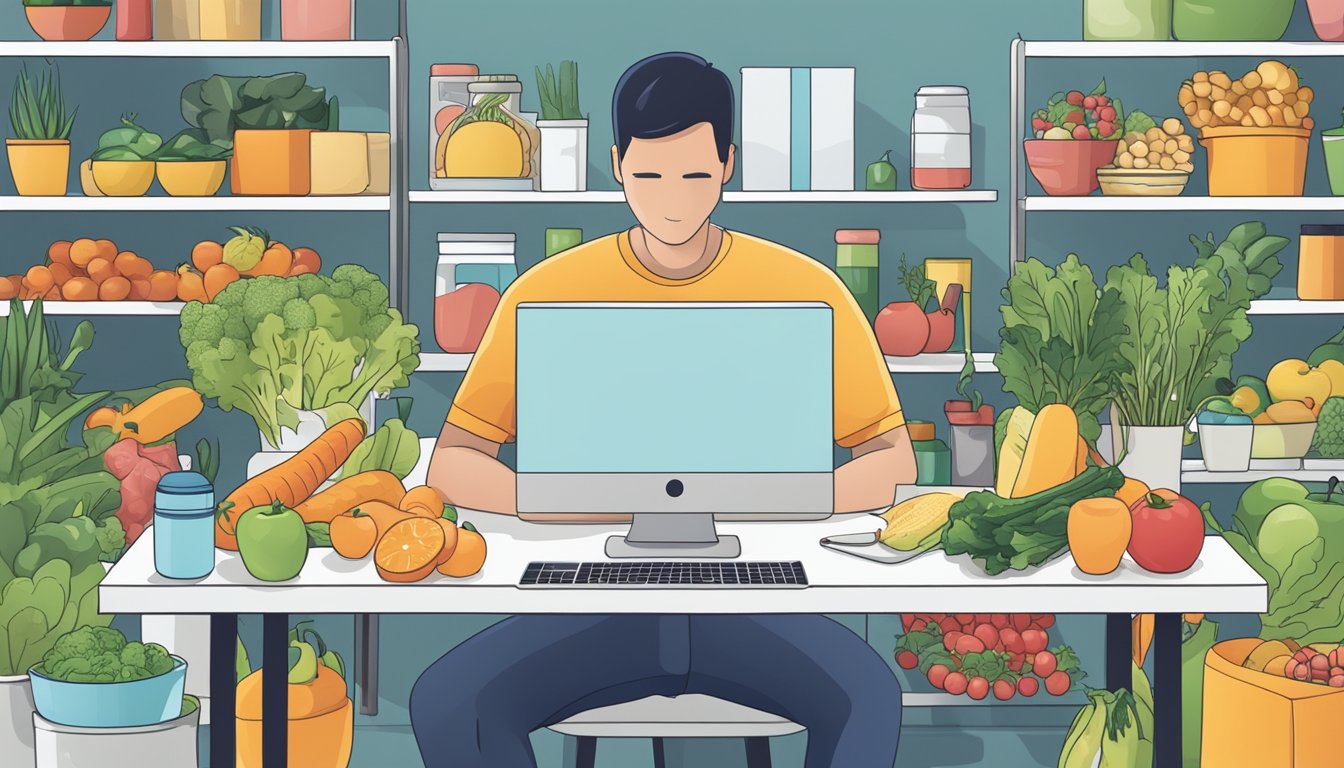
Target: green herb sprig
[{"x": 559, "y": 96}]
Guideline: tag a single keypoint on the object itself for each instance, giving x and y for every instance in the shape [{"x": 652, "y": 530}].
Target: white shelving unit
[
  {"x": 1116, "y": 204},
  {"x": 1174, "y": 49},
  {"x": 158, "y": 203},
  {"x": 205, "y": 49},
  {"x": 1310, "y": 471},
  {"x": 1284, "y": 307},
  {"x": 617, "y": 196},
  {"x": 942, "y": 363},
  {"x": 103, "y": 308}
]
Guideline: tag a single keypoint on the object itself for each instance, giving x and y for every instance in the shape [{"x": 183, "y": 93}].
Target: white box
[
  {"x": 832, "y": 118},
  {"x": 765, "y": 128}
]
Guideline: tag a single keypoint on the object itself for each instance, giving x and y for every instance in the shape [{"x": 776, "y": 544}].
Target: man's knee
[{"x": 435, "y": 696}]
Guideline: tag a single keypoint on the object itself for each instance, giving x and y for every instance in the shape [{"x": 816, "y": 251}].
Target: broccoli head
[
  {"x": 157, "y": 659},
  {"x": 86, "y": 652},
  {"x": 1329, "y": 438},
  {"x": 299, "y": 316},
  {"x": 111, "y": 537},
  {"x": 266, "y": 295}
]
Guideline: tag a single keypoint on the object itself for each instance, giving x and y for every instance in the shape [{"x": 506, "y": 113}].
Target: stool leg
[
  {"x": 758, "y": 752},
  {"x": 586, "y": 756},
  {"x": 659, "y": 757}
]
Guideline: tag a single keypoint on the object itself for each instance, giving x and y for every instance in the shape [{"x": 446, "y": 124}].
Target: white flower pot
[
  {"x": 564, "y": 155},
  {"x": 170, "y": 743},
  {"x": 1226, "y": 447},
  {"x": 1152, "y": 455},
  {"x": 16, "y": 722},
  {"x": 311, "y": 427}
]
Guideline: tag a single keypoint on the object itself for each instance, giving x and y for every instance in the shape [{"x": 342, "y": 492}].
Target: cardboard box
[{"x": 1259, "y": 719}]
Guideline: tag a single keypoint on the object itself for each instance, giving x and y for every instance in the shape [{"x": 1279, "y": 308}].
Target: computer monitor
[{"x": 675, "y": 413}]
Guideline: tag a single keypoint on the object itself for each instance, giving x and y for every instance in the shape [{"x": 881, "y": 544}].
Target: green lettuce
[{"x": 393, "y": 448}]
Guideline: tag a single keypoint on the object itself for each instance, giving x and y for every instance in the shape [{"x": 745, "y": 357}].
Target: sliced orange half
[{"x": 409, "y": 550}]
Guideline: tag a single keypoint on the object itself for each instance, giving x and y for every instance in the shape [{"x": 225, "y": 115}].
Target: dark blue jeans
[{"x": 476, "y": 706}]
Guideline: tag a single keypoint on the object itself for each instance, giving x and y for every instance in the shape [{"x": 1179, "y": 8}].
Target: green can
[
  {"x": 561, "y": 239},
  {"x": 856, "y": 264},
  {"x": 933, "y": 459}
]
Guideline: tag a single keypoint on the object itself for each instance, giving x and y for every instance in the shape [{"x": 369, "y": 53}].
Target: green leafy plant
[
  {"x": 1060, "y": 340},
  {"x": 392, "y": 448},
  {"x": 218, "y": 105},
  {"x": 127, "y": 142},
  {"x": 917, "y": 284},
  {"x": 37, "y": 108},
  {"x": 559, "y": 95},
  {"x": 274, "y": 346}
]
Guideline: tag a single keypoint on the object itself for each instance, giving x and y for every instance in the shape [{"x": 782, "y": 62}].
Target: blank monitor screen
[{"x": 657, "y": 388}]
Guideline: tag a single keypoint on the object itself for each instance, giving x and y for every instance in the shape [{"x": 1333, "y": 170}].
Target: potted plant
[
  {"x": 972, "y": 429},
  {"x": 39, "y": 153},
  {"x": 55, "y": 491},
  {"x": 1075, "y": 135},
  {"x": 67, "y": 19},
  {"x": 902, "y": 327},
  {"x": 1177, "y": 343},
  {"x": 122, "y": 166},
  {"x": 564, "y": 130}
]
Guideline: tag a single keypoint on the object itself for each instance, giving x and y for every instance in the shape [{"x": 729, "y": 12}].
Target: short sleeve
[
  {"x": 866, "y": 404},
  {"x": 485, "y": 403}
]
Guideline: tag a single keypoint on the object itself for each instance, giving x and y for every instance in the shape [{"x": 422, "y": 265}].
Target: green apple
[
  {"x": 1264, "y": 497},
  {"x": 273, "y": 542}
]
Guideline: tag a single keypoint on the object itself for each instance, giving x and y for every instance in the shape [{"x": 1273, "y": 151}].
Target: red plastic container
[
  {"x": 135, "y": 19},
  {"x": 316, "y": 19},
  {"x": 1327, "y": 17}
]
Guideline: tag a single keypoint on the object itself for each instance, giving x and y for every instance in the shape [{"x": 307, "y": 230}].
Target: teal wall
[{"x": 896, "y": 46}]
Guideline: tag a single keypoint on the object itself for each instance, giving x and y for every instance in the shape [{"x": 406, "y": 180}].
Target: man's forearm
[
  {"x": 471, "y": 479},
  {"x": 869, "y": 482}
]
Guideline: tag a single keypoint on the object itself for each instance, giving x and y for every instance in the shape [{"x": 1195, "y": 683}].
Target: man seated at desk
[{"x": 476, "y": 706}]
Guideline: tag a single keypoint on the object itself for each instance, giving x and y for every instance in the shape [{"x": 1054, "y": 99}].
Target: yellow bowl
[
  {"x": 123, "y": 178},
  {"x": 1282, "y": 441},
  {"x": 1147, "y": 182},
  {"x": 191, "y": 178}
]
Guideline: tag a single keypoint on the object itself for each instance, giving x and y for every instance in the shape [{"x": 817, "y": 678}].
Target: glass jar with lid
[
  {"x": 492, "y": 144},
  {"x": 940, "y": 138},
  {"x": 474, "y": 270}
]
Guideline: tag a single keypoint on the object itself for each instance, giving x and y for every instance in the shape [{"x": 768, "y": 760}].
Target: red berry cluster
[
  {"x": 1092, "y": 117},
  {"x": 974, "y": 653},
  {"x": 1311, "y": 666}
]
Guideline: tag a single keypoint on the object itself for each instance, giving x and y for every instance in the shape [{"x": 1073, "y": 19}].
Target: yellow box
[
  {"x": 1259, "y": 719},
  {"x": 340, "y": 163}
]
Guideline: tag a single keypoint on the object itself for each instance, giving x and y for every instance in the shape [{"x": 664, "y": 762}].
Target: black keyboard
[{"x": 663, "y": 573}]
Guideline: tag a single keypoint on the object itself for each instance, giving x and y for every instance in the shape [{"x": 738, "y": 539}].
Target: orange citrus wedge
[{"x": 410, "y": 549}]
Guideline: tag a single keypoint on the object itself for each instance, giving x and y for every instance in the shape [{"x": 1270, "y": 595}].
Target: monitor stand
[{"x": 673, "y": 535}]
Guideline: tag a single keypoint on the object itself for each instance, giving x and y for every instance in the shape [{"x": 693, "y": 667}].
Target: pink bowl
[
  {"x": 1066, "y": 166},
  {"x": 67, "y": 22}
]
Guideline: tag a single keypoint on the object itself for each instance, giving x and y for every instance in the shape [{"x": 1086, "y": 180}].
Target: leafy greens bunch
[
  {"x": 57, "y": 504},
  {"x": 219, "y": 105},
  {"x": 274, "y": 346}
]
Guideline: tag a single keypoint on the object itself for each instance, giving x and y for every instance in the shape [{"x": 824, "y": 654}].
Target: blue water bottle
[{"x": 184, "y": 526}]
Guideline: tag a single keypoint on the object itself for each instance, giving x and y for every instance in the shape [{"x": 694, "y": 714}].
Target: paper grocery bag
[{"x": 1259, "y": 719}]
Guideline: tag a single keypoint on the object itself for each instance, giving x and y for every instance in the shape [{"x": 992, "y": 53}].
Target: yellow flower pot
[
  {"x": 191, "y": 178},
  {"x": 123, "y": 178},
  {"x": 39, "y": 166}
]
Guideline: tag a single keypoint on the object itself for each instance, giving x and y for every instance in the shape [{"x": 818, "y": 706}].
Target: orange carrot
[
  {"x": 292, "y": 481},
  {"x": 346, "y": 494}
]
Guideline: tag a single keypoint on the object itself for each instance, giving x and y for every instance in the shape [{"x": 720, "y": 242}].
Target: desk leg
[
  {"x": 1119, "y": 651},
  {"x": 223, "y": 682},
  {"x": 275, "y": 691},
  {"x": 1167, "y": 691}
]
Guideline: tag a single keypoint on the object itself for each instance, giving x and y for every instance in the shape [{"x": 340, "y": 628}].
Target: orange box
[
  {"x": 1258, "y": 719},
  {"x": 271, "y": 162}
]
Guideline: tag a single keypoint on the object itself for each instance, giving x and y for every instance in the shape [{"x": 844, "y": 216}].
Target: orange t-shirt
[{"x": 746, "y": 269}]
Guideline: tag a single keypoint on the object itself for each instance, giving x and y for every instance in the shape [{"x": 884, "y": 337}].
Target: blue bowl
[{"x": 111, "y": 705}]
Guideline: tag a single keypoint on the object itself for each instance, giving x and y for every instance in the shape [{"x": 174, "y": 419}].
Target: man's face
[{"x": 672, "y": 184}]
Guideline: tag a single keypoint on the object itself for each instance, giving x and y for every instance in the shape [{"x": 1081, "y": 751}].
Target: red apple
[
  {"x": 902, "y": 329},
  {"x": 1168, "y": 532}
]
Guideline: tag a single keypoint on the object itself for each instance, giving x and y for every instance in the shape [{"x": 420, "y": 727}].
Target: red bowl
[
  {"x": 1067, "y": 166},
  {"x": 67, "y": 22}
]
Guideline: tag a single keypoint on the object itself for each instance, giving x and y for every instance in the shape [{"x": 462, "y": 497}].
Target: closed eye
[
  {"x": 648, "y": 175},
  {"x": 698, "y": 175}
]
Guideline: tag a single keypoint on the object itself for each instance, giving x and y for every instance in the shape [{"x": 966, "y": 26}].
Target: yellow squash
[
  {"x": 158, "y": 417},
  {"x": 1039, "y": 451}
]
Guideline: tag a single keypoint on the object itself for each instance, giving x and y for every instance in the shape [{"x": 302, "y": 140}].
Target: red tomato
[
  {"x": 907, "y": 660},
  {"x": 1035, "y": 640},
  {"x": 1045, "y": 664},
  {"x": 1027, "y": 686},
  {"x": 1015, "y": 662},
  {"x": 950, "y": 639},
  {"x": 955, "y": 683},
  {"x": 988, "y": 635},
  {"x": 949, "y": 624},
  {"x": 1021, "y": 621},
  {"x": 977, "y": 688},
  {"x": 969, "y": 644},
  {"x": 1045, "y": 620},
  {"x": 1012, "y": 641},
  {"x": 1004, "y": 689},
  {"x": 965, "y": 618},
  {"x": 1058, "y": 683},
  {"x": 938, "y": 675},
  {"x": 1168, "y": 532},
  {"x": 999, "y": 620}
]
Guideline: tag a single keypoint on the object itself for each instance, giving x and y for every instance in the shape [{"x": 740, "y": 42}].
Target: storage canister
[
  {"x": 1320, "y": 263},
  {"x": 561, "y": 239},
  {"x": 1126, "y": 19},
  {"x": 856, "y": 264},
  {"x": 940, "y": 138},
  {"x": 474, "y": 270},
  {"x": 933, "y": 459},
  {"x": 184, "y": 526},
  {"x": 448, "y": 98},
  {"x": 1231, "y": 19}
]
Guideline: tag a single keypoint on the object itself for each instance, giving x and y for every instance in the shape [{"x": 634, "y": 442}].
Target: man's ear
[
  {"x": 731, "y": 165},
  {"x": 616, "y": 165}
]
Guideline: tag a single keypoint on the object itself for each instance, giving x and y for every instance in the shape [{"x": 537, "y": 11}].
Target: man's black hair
[{"x": 668, "y": 93}]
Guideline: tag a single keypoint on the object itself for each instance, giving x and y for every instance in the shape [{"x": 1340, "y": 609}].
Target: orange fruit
[
  {"x": 276, "y": 260},
  {"x": 451, "y": 535},
  {"x": 60, "y": 273},
  {"x": 140, "y": 288},
  {"x": 132, "y": 266},
  {"x": 217, "y": 278},
  {"x": 190, "y": 285},
  {"x": 469, "y": 556},
  {"x": 101, "y": 269},
  {"x": 80, "y": 289},
  {"x": 353, "y": 534},
  {"x": 59, "y": 252},
  {"x": 115, "y": 288},
  {"x": 409, "y": 550},
  {"x": 7, "y": 289},
  {"x": 424, "y": 501},
  {"x": 38, "y": 279},
  {"x": 106, "y": 249},
  {"x": 82, "y": 251},
  {"x": 206, "y": 254},
  {"x": 1131, "y": 491},
  {"x": 162, "y": 285},
  {"x": 307, "y": 260}
]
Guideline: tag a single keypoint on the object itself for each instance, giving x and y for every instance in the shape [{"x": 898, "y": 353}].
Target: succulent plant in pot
[
  {"x": 39, "y": 152},
  {"x": 67, "y": 19},
  {"x": 564, "y": 130}
]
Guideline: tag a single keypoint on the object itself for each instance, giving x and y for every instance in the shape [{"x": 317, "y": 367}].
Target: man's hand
[
  {"x": 869, "y": 480},
  {"x": 466, "y": 469}
]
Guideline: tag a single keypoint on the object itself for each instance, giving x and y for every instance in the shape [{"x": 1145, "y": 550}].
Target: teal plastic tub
[
  {"x": 1231, "y": 19},
  {"x": 111, "y": 705}
]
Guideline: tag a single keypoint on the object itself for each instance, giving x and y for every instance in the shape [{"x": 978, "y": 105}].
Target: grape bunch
[
  {"x": 980, "y": 653},
  {"x": 1271, "y": 95}
]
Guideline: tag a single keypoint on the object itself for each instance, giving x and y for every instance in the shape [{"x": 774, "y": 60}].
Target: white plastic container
[
  {"x": 564, "y": 155},
  {"x": 170, "y": 743},
  {"x": 1226, "y": 447},
  {"x": 940, "y": 138},
  {"x": 473, "y": 271}
]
